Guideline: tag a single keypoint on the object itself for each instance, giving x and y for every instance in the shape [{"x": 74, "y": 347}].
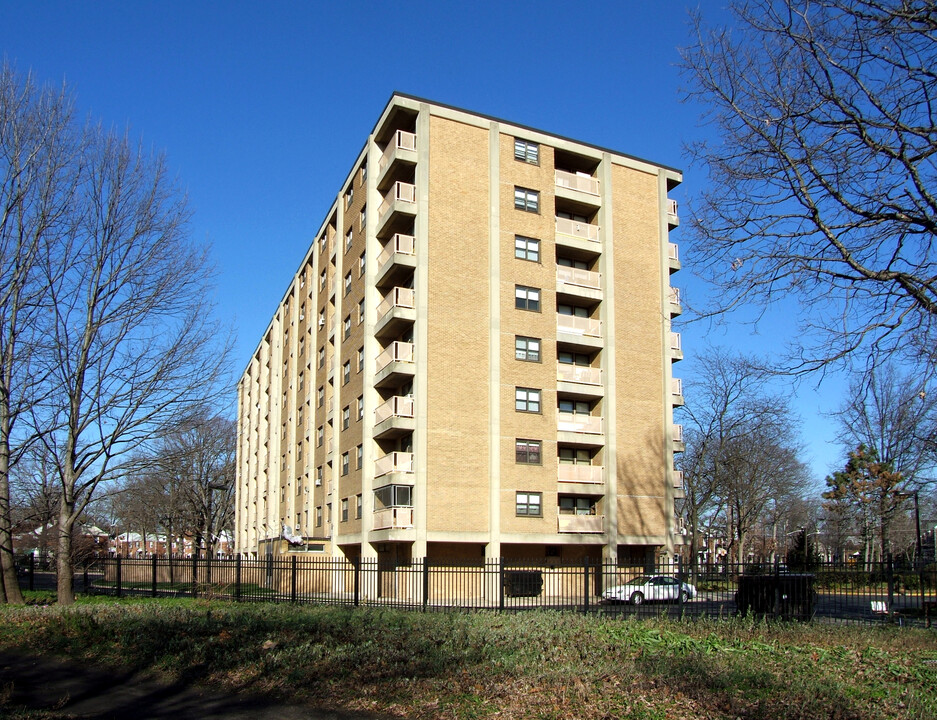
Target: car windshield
[{"x": 642, "y": 580}]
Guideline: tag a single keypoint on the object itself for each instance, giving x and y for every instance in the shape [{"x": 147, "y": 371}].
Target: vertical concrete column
[
  {"x": 667, "y": 369},
  {"x": 372, "y": 249},
  {"x": 494, "y": 342}
]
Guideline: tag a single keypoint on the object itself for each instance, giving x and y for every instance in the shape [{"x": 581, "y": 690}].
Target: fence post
[
  {"x": 237, "y": 578},
  {"x": 292, "y": 578},
  {"x": 425, "y": 582},
  {"x": 32, "y": 570},
  {"x": 84, "y": 575},
  {"x": 890, "y": 576},
  {"x": 679, "y": 562},
  {"x": 154, "y": 574},
  {"x": 356, "y": 565},
  {"x": 585, "y": 584},
  {"x": 777, "y": 587},
  {"x": 194, "y": 572},
  {"x": 118, "y": 577},
  {"x": 501, "y": 583}
]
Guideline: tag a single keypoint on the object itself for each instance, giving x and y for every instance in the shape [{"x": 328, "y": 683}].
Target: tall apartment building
[{"x": 474, "y": 357}]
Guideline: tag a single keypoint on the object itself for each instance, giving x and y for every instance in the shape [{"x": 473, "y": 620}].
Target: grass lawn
[{"x": 478, "y": 665}]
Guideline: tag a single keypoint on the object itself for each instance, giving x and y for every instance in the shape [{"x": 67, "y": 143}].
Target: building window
[
  {"x": 346, "y": 327},
  {"x": 320, "y": 396},
  {"x": 348, "y": 282},
  {"x": 319, "y": 516},
  {"x": 527, "y": 452},
  {"x": 527, "y": 348},
  {"x": 344, "y": 463},
  {"x": 321, "y": 360},
  {"x": 322, "y": 243},
  {"x": 572, "y": 310},
  {"x": 322, "y": 280},
  {"x": 575, "y": 407},
  {"x": 362, "y": 264},
  {"x": 321, "y": 319},
  {"x": 346, "y": 373},
  {"x": 359, "y": 457},
  {"x": 358, "y": 507},
  {"x": 360, "y": 359},
  {"x": 571, "y": 358},
  {"x": 348, "y": 241},
  {"x": 526, "y": 400},
  {"x": 570, "y": 505},
  {"x": 528, "y": 200},
  {"x": 528, "y": 504},
  {"x": 320, "y": 436},
  {"x": 361, "y": 407},
  {"x": 527, "y": 298},
  {"x": 575, "y": 456},
  {"x": 346, "y": 417},
  {"x": 344, "y": 509},
  {"x": 364, "y": 173},
  {"x": 527, "y": 152},
  {"x": 319, "y": 476},
  {"x": 349, "y": 196},
  {"x": 363, "y": 218},
  {"x": 526, "y": 248},
  {"x": 361, "y": 311}
]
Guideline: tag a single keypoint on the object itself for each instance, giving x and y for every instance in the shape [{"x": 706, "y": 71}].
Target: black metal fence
[{"x": 868, "y": 592}]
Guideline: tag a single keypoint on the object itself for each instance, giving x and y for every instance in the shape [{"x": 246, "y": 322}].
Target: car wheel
[
  {"x": 637, "y": 598},
  {"x": 684, "y": 596}
]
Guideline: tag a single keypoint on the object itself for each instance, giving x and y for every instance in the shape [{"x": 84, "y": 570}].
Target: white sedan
[{"x": 647, "y": 589}]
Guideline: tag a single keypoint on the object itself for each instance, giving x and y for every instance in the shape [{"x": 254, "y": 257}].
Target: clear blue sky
[{"x": 262, "y": 107}]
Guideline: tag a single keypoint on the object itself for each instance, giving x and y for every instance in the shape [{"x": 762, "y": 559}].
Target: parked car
[{"x": 658, "y": 588}]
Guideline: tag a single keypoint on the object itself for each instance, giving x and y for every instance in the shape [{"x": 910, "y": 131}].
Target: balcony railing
[
  {"x": 397, "y": 298},
  {"x": 394, "y": 517},
  {"x": 674, "y": 252},
  {"x": 572, "y": 181},
  {"x": 579, "y": 473},
  {"x": 395, "y": 352},
  {"x": 674, "y": 296},
  {"x": 672, "y": 212},
  {"x": 402, "y": 140},
  {"x": 585, "y": 231},
  {"x": 580, "y": 523},
  {"x": 579, "y": 374},
  {"x": 574, "y": 422},
  {"x": 395, "y": 462},
  {"x": 400, "y": 191},
  {"x": 676, "y": 343},
  {"x": 678, "y": 478},
  {"x": 577, "y": 276},
  {"x": 678, "y": 433},
  {"x": 397, "y": 406},
  {"x": 578, "y": 325},
  {"x": 676, "y": 386},
  {"x": 399, "y": 243}
]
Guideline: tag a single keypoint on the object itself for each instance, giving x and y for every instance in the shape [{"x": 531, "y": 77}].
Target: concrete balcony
[
  {"x": 579, "y": 188},
  {"x": 576, "y": 283},
  {"x": 674, "y": 257},
  {"x": 395, "y": 366},
  {"x": 675, "y": 307},
  {"x": 580, "y": 523},
  {"x": 395, "y": 463},
  {"x": 673, "y": 218},
  {"x": 579, "y": 430},
  {"x": 676, "y": 391},
  {"x": 580, "y": 474},
  {"x": 394, "y": 418},
  {"x": 678, "y": 492},
  {"x": 396, "y": 311},
  {"x": 579, "y": 331},
  {"x": 678, "y": 444},
  {"x": 578, "y": 235},
  {"x": 401, "y": 148},
  {"x": 676, "y": 346},
  {"x": 392, "y": 518},
  {"x": 397, "y": 260},
  {"x": 398, "y": 205},
  {"x": 579, "y": 381}
]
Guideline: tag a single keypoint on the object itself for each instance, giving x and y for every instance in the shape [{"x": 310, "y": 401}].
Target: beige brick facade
[{"x": 474, "y": 358}]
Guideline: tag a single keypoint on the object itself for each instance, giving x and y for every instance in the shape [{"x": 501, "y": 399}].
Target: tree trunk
[
  {"x": 63, "y": 556},
  {"x": 9, "y": 584}
]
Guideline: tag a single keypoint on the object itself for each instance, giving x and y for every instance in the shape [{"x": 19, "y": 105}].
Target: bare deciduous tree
[{"x": 823, "y": 176}]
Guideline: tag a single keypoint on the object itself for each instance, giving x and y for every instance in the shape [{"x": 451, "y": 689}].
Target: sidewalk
[{"x": 63, "y": 689}]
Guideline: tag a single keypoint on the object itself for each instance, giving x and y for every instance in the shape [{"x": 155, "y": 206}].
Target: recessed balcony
[
  {"x": 676, "y": 391},
  {"x": 578, "y": 235},
  {"x": 673, "y": 218},
  {"x": 678, "y": 491},
  {"x": 580, "y": 474},
  {"x": 674, "y": 257},
  {"x": 580, "y": 523},
  {"x": 395, "y": 365},
  {"x": 675, "y": 307},
  {"x": 394, "y": 463},
  {"x": 578, "y": 187},
  {"x": 399, "y": 206},
  {"x": 579, "y": 381},
  {"x": 393, "y": 518},
  {"x": 579, "y": 331},
  {"x": 580, "y": 430},
  {"x": 678, "y": 444},
  {"x": 394, "y": 418},
  {"x": 577, "y": 283},
  {"x": 676, "y": 346},
  {"x": 396, "y": 311},
  {"x": 401, "y": 148},
  {"x": 397, "y": 260}
]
